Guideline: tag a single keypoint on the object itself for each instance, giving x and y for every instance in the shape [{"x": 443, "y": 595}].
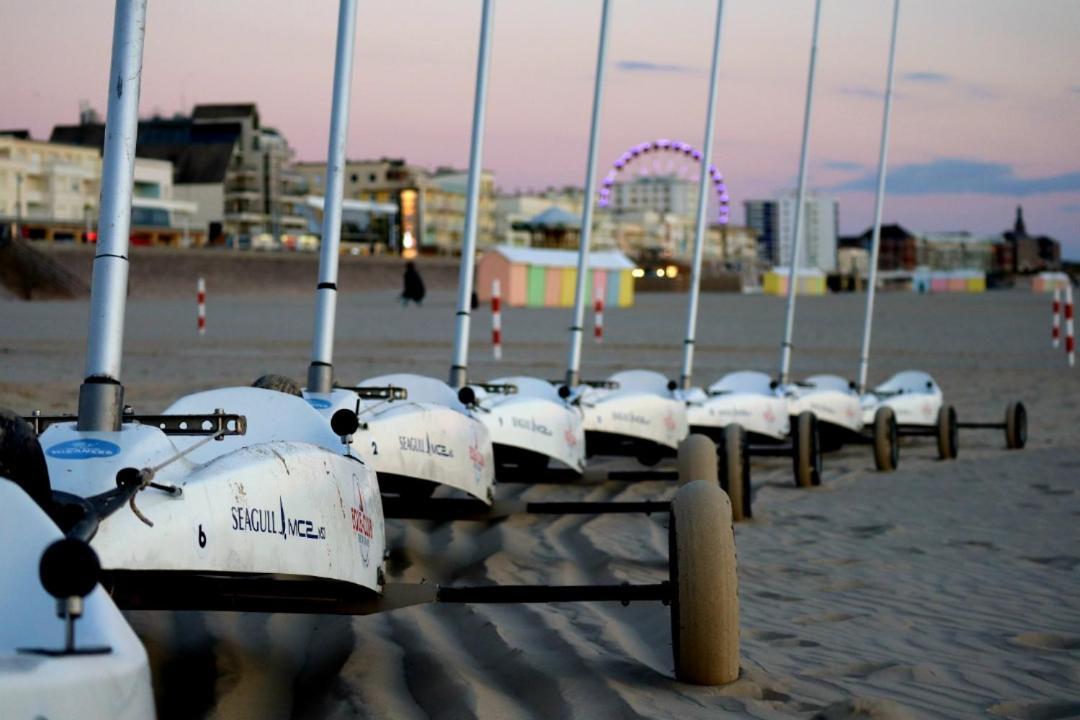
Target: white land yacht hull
[
  {"x": 531, "y": 426},
  {"x": 105, "y": 685},
  {"x": 831, "y": 399},
  {"x": 912, "y": 394},
  {"x": 424, "y": 441},
  {"x": 639, "y": 416},
  {"x": 249, "y": 504},
  {"x": 746, "y": 398}
]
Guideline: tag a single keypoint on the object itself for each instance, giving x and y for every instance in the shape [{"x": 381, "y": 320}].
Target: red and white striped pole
[
  {"x": 1055, "y": 328},
  {"x": 598, "y": 307},
  {"x": 496, "y": 320},
  {"x": 201, "y": 298},
  {"x": 1070, "y": 339}
]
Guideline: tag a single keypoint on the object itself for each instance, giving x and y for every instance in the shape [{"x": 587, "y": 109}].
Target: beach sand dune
[{"x": 943, "y": 590}]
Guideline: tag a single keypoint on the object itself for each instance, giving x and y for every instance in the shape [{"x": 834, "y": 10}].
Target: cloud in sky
[
  {"x": 645, "y": 66},
  {"x": 959, "y": 175},
  {"x": 844, "y": 165},
  {"x": 1075, "y": 89},
  {"x": 862, "y": 91},
  {"x": 933, "y": 78}
]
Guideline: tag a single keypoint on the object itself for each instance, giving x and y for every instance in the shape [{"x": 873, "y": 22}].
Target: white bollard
[
  {"x": 598, "y": 308},
  {"x": 496, "y": 320},
  {"x": 200, "y": 296},
  {"x": 1055, "y": 327},
  {"x": 1070, "y": 340}
]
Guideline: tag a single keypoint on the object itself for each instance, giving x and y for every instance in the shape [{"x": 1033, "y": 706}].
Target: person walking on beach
[{"x": 414, "y": 286}]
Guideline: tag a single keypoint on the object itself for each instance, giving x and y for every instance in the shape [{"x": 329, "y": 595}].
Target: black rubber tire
[
  {"x": 735, "y": 471},
  {"x": 697, "y": 460},
  {"x": 281, "y": 383},
  {"x": 22, "y": 461},
  {"x": 806, "y": 450},
  {"x": 704, "y": 586},
  {"x": 948, "y": 433},
  {"x": 650, "y": 456},
  {"x": 886, "y": 440},
  {"x": 1015, "y": 426}
]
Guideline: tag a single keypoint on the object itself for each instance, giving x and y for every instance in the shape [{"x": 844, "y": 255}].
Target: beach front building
[
  {"x": 235, "y": 170},
  {"x": 515, "y": 211},
  {"x": 431, "y": 205},
  {"x": 545, "y": 277},
  {"x": 50, "y": 191},
  {"x": 774, "y": 221}
]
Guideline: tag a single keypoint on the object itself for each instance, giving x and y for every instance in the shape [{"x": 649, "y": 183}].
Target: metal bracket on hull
[
  {"x": 218, "y": 423},
  {"x": 390, "y": 392},
  {"x": 497, "y": 388}
]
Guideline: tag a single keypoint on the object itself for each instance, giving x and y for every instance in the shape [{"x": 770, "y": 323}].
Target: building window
[
  {"x": 355, "y": 178},
  {"x": 371, "y": 177}
]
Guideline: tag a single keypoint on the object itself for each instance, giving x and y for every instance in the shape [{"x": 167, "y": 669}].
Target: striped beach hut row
[
  {"x": 808, "y": 281},
  {"x": 948, "y": 281},
  {"x": 542, "y": 277}
]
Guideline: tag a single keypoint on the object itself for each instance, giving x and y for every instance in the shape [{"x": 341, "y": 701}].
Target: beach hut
[
  {"x": 542, "y": 277},
  {"x": 1046, "y": 282},
  {"x": 809, "y": 281}
]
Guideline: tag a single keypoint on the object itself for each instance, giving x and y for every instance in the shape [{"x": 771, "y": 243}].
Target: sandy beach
[{"x": 943, "y": 590}]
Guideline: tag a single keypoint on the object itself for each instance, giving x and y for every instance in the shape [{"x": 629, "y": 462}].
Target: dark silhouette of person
[{"x": 414, "y": 286}]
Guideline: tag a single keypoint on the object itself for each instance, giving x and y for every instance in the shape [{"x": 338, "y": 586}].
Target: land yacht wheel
[
  {"x": 948, "y": 433},
  {"x": 21, "y": 459},
  {"x": 735, "y": 471},
  {"x": 806, "y": 444},
  {"x": 1015, "y": 426},
  {"x": 697, "y": 460},
  {"x": 705, "y": 600},
  {"x": 886, "y": 440}
]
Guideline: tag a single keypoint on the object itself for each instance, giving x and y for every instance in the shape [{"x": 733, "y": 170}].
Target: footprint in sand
[
  {"x": 1043, "y": 710},
  {"x": 864, "y": 709},
  {"x": 767, "y": 595},
  {"x": 826, "y": 618},
  {"x": 1047, "y": 641},
  {"x": 781, "y": 639},
  {"x": 1047, "y": 490},
  {"x": 1058, "y": 562},
  {"x": 974, "y": 543},
  {"x": 865, "y": 532}
]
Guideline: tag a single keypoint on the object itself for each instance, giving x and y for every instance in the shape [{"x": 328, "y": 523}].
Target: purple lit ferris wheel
[{"x": 665, "y": 157}]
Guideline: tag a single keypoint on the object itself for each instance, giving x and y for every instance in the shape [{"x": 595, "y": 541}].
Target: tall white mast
[{"x": 879, "y": 202}]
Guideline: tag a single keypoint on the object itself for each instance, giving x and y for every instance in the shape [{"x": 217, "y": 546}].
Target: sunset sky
[{"x": 986, "y": 116}]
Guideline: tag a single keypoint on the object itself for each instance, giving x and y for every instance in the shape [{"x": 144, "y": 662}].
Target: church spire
[{"x": 1018, "y": 228}]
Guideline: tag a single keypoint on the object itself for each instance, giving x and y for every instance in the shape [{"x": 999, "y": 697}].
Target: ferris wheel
[{"x": 665, "y": 158}]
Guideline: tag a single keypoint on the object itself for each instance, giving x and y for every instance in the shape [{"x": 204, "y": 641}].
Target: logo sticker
[
  {"x": 531, "y": 425},
  {"x": 318, "y": 403},
  {"x": 274, "y": 522},
  {"x": 83, "y": 449},
  {"x": 361, "y": 523},
  {"x": 412, "y": 443}
]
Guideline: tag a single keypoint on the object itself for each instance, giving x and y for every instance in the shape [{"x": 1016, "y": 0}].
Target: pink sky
[{"x": 992, "y": 83}]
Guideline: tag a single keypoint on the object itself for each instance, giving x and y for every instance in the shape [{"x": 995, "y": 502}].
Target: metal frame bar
[
  {"x": 222, "y": 423},
  {"x": 459, "y": 367},
  {"x": 321, "y": 370},
  {"x": 577, "y": 325},
  {"x": 800, "y": 199},
  {"x": 879, "y": 203},
  {"x": 703, "y": 202}
]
